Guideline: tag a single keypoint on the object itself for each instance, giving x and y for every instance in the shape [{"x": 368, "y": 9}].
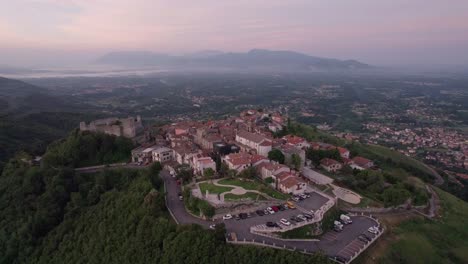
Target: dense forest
[
  {"x": 88, "y": 148},
  {"x": 51, "y": 214}
]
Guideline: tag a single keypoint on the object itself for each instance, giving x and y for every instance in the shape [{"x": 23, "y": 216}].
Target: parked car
[
  {"x": 294, "y": 198},
  {"x": 271, "y": 224},
  {"x": 346, "y": 219},
  {"x": 181, "y": 197},
  {"x": 299, "y": 219},
  {"x": 293, "y": 218},
  {"x": 303, "y": 218},
  {"x": 363, "y": 238},
  {"x": 178, "y": 182},
  {"x": 285, "y": 222},
  {"x": 373, "y": 230},
  {"x": 249, "y": 215},
  {"x": 368, "y": 238},
  {"x": 285, "y": 206},
  {"x": 291, "y": 205},
  {"x": 303, "y": 196},
  {"x": 260, "y": 212},
  {"x": 243, "y": 216},
  {"x": 281, "y": 208},
  {"x": 237, "y": 217},
  {"x": 275, "y": 208},
  {"x": 213, "y": 226},
  {"x": 270, "y": 210},
  {"x": 338, "y": 228},
  {"x": 308, "y": 216},
  {"x": 227, "y": 217},
  {"x": 339, "y": 224},
  {"x": 266, "y": 212}
]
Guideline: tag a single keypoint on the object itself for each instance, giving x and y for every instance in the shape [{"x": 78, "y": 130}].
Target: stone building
[{"x": 126, "y": 127}]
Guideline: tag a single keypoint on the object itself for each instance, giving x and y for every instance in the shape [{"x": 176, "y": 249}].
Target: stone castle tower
[{"x": 126, "y": 127}]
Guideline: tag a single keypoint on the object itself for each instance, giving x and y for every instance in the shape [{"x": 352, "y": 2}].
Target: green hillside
[
  {"x": 382, "y": 156},
  {"x": 54, "y": 215},
  {"x": 442, "y": 240}
]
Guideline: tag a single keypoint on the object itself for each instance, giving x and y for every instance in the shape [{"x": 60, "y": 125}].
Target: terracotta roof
[
  {"x": 342, "y": 150},
  {"x": 257, "y": 138},
  {"x": 256, "y": 158},
  {"x": 283, "y": 176},
  {"x": 328, "y": 162},
  {"x": 294, "y": 140},
  {"x": 360, "y": 161},
  {"x": 291, "y": 182}
]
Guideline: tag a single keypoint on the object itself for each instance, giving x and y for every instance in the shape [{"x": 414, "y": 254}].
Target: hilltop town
[{"x": 243, "y": 142}]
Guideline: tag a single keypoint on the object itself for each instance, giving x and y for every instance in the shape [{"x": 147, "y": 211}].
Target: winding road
[{"x": 332, "y": 243}]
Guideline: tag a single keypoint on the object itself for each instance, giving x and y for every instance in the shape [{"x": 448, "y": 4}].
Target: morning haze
[
  {"x": 233, "y": 131},
  {"x": 52, "y": 32}
]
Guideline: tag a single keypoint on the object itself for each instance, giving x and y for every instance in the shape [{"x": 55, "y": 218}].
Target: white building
[
  {"x": 258, "y": 142},
  {"x": 200, "y": 164},
  {"x": 162, "y": 154}
]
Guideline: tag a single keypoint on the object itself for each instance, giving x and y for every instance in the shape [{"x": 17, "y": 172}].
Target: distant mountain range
[{"x": 254, "y": 59}]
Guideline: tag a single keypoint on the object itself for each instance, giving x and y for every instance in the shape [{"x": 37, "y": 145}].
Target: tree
[
  {"x": 208, "y": 173},
  {"x": 223, "y": 170},
  {"x": 296, "y": 161},
  {"x": 269, "y": 180},
  {"x": 220, "y": 232},
  {"x": 206, "y": 209},
  {"x": 248, "y": 173},
  {"x": 276, "y": 155},
  {"x": 231, "y": 173},
  {"x": 395, "y": 195},
  {"x": 184, "y": 173}
]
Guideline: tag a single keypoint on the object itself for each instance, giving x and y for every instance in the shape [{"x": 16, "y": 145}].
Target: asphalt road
[{"x": 331, "y": 243}]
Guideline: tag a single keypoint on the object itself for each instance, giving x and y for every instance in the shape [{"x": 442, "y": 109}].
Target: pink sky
[{"x": 378, "y": 32}]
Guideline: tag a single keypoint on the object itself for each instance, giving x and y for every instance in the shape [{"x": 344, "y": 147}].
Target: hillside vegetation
[
  {"x": 382, "y": 156},
  {"x": 81, "y": 149},
  {"x": 54, "y": 215},
  {"x": 433, "y": 241},
  {"x": 33, "y": 132}
]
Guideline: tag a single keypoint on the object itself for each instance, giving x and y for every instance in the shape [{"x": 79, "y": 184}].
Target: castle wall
[{"x": 128, "y": 127}]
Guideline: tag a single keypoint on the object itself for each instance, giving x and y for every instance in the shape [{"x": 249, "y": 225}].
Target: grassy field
[
  {"x": 248, "y": 195},
  {"x": 255, "y": 185},
  {"x": 248, "y": 185},
  {"x": 442, "y": 240},
  {"x": 204, "y": 186}
]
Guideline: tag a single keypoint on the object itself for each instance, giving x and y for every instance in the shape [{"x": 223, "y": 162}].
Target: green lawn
[
  {"x": 204, "y": 186},
  {"x": 248, "y": 195},
  {"x": 433, "y": 241},
  {"x": 248, "y": 185},
  {"x": 255, "y": 185}
]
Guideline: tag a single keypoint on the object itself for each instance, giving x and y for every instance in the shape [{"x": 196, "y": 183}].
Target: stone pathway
[
  {"x": 346, "y": 195},
  {"x": 238, "y": 190}
]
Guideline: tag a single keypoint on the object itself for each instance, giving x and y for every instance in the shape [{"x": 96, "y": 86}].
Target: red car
[
  {"x": 275, "y": 208},
  {"x": 178, "y": 182}
]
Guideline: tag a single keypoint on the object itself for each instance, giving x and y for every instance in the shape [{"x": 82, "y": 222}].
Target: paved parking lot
[
  {"x": 344, "y": 243},
  {"x": 313, "y": 203}
]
